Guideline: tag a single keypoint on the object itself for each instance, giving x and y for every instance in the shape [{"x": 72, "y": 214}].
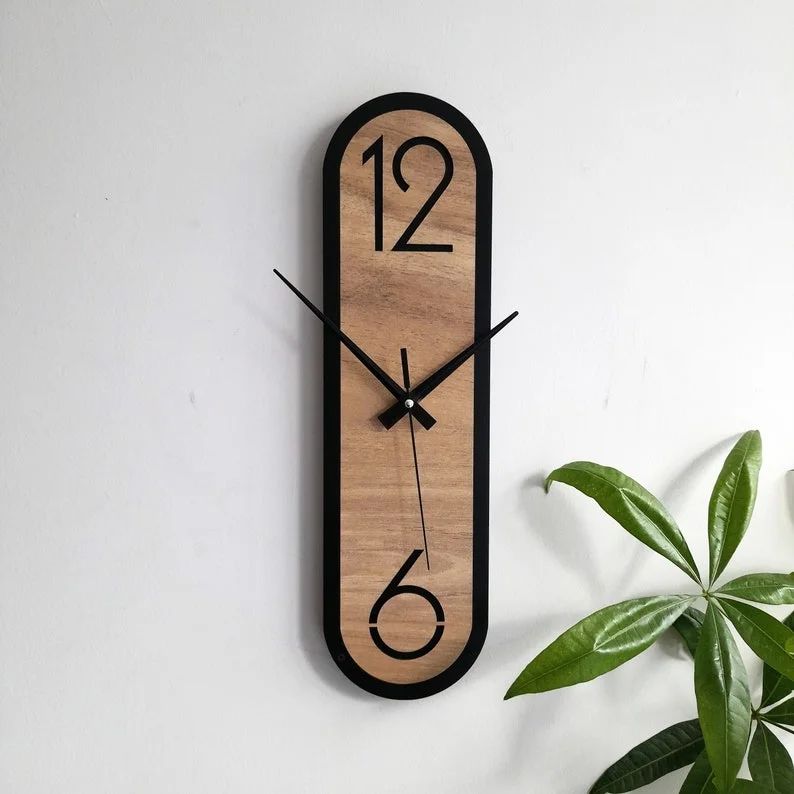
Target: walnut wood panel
[{"x": 423, "y": 301}]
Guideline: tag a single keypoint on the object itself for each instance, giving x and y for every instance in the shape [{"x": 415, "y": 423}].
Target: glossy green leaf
[
  {"x": 763, "y": 588},
  {"x": 782, "y": 713},
  {"x": 732, "y": 501},
  {"x": 600, "y": 643},
  {"x": 673, "y": 748},
  {"x": 723, "y": 699},
  {"x": 769, "y": 761},
  {"x": 689, "y": 626},
  {"x": 638, "y": 511},
  {"x": 776, "y": 686},
  {"x": 766, "y": 636},
  {"x": 700, "y": 779}
]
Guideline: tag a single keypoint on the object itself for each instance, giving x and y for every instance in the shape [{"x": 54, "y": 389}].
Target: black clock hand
[
  {"x": 422, "y": 416},
  {"x": 392, "y": 415},
  {"x": 410, "y": 409}
]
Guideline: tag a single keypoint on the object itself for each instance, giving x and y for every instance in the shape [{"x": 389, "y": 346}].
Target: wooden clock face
[{"x": 407, "y": 203}]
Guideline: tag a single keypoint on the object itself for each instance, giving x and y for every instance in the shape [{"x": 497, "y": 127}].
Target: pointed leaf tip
[
  {"x": 670, "y": 749},
  {"x": 600, "y": 643},
  {"x": 732, "y": 501},
  {"x": 637, "y": 510}
]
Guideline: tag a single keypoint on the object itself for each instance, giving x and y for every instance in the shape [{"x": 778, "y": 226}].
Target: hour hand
[
  {"x": 392, "y": 415},
  {"x": 422, "y": 416}
]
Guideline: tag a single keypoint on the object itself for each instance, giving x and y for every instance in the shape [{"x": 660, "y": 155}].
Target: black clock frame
[{"x": 331, "y": 389}]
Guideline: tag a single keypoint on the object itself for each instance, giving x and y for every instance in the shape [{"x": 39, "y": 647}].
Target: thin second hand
[
  {"x": 418, "y": 486},
  {"x": 409, "y": 404}
]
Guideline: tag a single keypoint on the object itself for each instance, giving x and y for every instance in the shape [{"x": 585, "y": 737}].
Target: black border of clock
[{"x": 482, "y": 316}]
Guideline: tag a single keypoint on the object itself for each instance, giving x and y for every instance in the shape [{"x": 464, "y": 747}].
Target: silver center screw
[{"x": 409, "y": 403}]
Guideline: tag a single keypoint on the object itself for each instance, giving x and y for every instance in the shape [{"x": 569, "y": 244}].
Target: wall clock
[{"x": 406, "y": 303}]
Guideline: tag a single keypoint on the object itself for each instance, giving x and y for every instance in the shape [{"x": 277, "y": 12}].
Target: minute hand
[
  {"x": 422, "y": 416},
  {"x": 392, "y": 415}
]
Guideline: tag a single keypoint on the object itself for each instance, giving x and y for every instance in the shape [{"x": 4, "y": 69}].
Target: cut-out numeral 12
[
  {"x": 376, "y": 151},
  {"x": 394, "y": 588}
]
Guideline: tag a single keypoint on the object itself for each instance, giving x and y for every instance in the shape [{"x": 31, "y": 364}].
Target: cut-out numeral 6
[
  {"x": 394, "y": 588},
  {"x": 376, "y": 151}
]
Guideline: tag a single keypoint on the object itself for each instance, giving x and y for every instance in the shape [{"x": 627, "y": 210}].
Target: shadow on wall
[
  {"x": 693, "y": 470},
  {"x": 561, "y": 531}
]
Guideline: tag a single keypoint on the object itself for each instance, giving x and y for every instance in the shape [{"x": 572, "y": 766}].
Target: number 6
[{"x": 394, "y": 588}]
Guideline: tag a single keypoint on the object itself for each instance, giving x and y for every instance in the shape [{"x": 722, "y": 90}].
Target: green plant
[{"x": 716, "y": 742}]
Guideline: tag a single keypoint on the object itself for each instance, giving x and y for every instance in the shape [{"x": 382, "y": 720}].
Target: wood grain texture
[{"x": 423, "y": 301}]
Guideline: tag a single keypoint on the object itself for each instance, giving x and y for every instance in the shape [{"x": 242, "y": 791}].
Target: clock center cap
[{"x": 409, "y": 403}]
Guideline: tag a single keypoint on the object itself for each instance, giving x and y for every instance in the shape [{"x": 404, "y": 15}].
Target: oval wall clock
[{"x": 407, "y": 292}]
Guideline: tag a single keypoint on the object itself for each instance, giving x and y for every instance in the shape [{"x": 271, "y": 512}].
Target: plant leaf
[
  {"x": 732, "y": 501},
  {"x": 670, "y": 749},
  {"x": 776, "y": 686},
  {"x": 638, "y": 511},
  {"x": 723, "y": 699},
  {"x": 700, "y": 779},
  {"x": 763, "y": 588},
  {"x": 765, "y": 635},
  {"x": 600, "y": 643},
  {"x": 689, "y": 626},
  {"x": 782, "y": 713},
  {"x": 769, "y": 761},
  {"x": 749, "y": 787}
]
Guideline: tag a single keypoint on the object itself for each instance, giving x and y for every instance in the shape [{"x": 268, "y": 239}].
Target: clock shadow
[{"x": 309, "y": 352}]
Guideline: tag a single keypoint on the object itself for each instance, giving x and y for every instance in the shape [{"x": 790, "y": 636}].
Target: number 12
[{"x": 376, "y": 151}]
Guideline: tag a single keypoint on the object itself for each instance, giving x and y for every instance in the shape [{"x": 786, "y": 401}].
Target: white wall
[{"x": 160, "y": 453}]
